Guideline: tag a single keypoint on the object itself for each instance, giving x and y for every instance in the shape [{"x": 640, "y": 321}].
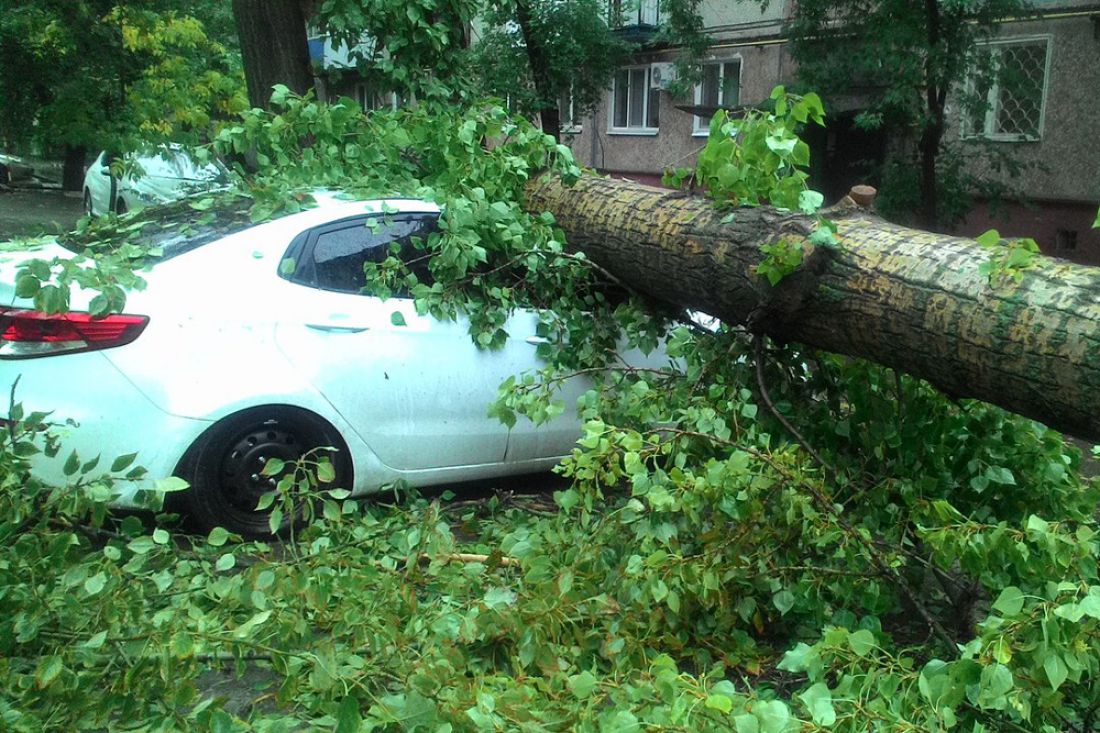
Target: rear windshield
[{"x": 167, "y": 231}]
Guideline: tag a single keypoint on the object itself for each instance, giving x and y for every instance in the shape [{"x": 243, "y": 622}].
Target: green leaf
[
  {"x": 773, "y": 716},
  {"x": 48, "y": 670},
  {"x": 141, "y": 545},
  {"x": 397, "y": 318},
  {"x": 582, "y": 685},
  {"x": 622, "y": 721},
  {"x": 122, "y": 462},
  {"x": 348, "y": 716},
  {"x": 95, "y": 584},
  {"x": 746, "y": 723},
  {"x": 1055, "y": 669},
  {"x": 170, "y": 484},
  {"x": 990, "y": 238},
  {"x": 721, "y": 703},
  {"x": 217, "y": 536},
  {"x": 226, "y": 561},
  {"x": 273, "y": 467},
  {"x": 497, "y": 598},
  {"x": 246, "y": 628},
  {"x": 72, "y": 464},
  {"x": 810, "y": 201},
  {"x": 784, "y": 601},
  {"x": 861, "y": 642},
  {"x": 326, "y": 473},
  {"x": 1010, "y": 602},
  {"x": 818, "y": 699}
]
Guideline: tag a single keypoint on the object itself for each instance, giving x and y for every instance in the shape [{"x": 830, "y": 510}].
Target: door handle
[
  {"x": 332, "y": 328},
  {"x": 537, "y": 340}
]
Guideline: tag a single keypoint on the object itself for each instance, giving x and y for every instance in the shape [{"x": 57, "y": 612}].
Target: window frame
[
  {"x": 644, "y": 129},
  {"x": 993, "y": 95},
  {"x": 301, "y": 249},
  {"x": 700, "y": 126}
]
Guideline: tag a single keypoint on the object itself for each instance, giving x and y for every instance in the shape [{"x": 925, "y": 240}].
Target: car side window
[{"x": 332, "y": 257}]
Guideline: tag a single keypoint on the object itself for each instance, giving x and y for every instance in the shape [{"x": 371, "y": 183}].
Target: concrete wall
[{"x": 1061, "y": 170}]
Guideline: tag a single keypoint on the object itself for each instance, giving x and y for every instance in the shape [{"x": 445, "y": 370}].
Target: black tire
[
  {"x": 224, "y": 465},
  {"x": 120, "y": 206},
  {"x": 88, "y": 203}
]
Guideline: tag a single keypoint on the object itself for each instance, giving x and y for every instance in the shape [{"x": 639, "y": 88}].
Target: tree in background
[
  {"x": 413, "y": 47},
  {"x": 92, "y": 74},
  {"x": 911, "y": 55},
  {"x": 537, "y": 53},
  {"x": 547, "y": 55}
]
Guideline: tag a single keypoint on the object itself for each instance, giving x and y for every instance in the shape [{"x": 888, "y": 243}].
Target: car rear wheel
[
  {"x": 88, "y": 203},
  {"x": 225, "y": 467},
  {"x": 120, "y": 206}
]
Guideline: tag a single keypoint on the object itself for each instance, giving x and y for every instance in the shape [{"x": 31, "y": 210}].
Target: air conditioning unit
[{"x": 661, "y": 75}]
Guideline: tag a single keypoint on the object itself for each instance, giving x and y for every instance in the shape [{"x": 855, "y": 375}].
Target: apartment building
[{"x": 1052, "y": 132}]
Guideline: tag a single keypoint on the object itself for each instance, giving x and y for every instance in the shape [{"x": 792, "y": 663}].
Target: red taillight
[{"x": 26, "y": 334}]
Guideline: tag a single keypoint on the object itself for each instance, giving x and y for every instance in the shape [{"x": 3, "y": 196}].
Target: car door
[{"x": 414, "y": 388}]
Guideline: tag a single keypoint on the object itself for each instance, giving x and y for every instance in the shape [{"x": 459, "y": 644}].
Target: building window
[
  {"x": 635, "y": 106},
  {"x": 1065, "y": 240},
  {"x": 720, "y": 87},
  {"x": 630, "y": 13},
  {"x": 1009, "y": 94}
]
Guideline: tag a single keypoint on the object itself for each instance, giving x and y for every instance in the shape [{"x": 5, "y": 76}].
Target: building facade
[{"x": 1045, "y": 144}]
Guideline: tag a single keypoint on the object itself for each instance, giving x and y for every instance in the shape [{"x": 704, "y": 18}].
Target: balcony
[{"x": 634, "y": 20}]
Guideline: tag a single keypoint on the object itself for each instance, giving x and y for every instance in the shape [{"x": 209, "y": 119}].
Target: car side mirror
[{"x": 105, "y": 170}]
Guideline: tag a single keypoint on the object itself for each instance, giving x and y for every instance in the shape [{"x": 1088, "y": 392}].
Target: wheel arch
[{"x": 185, "y": 465}]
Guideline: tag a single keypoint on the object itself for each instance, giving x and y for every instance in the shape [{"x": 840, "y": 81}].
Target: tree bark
[
  {"x": 274, "y": 47},
  {"x": 905, "y": 298},
  {"x": 549, "y": 116},
  {"x": 72, "y": 170}
]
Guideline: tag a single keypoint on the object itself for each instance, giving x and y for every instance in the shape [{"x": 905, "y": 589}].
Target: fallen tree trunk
[{"x": 905, "y": 298}]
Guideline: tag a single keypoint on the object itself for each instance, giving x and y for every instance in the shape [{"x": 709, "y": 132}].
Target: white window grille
[
  {"x": 1009, "y": 93},
  {"x": 635, "y": 106},
  {"x": 720, "y": 87}
]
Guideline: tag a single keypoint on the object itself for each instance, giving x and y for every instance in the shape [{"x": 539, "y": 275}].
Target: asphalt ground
[{"x": 33, "y": 212}]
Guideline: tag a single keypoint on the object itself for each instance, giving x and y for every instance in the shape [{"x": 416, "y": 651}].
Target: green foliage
[
  {"x": 1008, "y": 258},
  {"x": 416, "y": 46},
  {"x": 757, "y": 159},
  {"x": 103, "y": 74},
  {"x": 582, "y": 53}
]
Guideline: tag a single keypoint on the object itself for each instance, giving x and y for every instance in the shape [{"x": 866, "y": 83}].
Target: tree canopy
[{"x": 95, "y": 74}]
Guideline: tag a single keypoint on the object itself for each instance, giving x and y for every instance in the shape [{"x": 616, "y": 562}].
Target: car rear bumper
[{"x": 96, "y": 411}]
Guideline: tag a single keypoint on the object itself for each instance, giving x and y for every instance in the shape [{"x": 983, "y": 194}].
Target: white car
[
  {"x": 259, "y": 344},
  {"x": 165, "y": 174}
]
